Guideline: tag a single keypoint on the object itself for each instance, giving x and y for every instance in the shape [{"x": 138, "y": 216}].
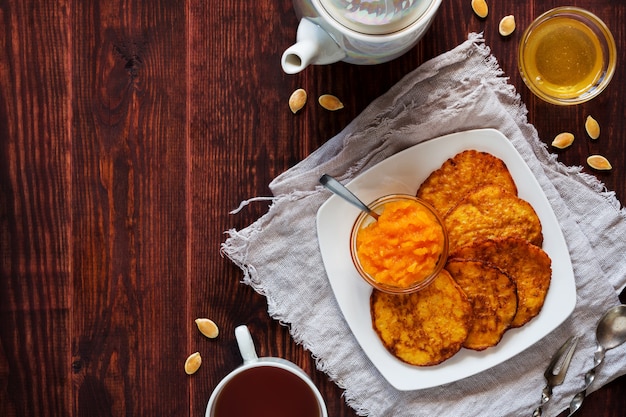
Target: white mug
[
  {"x": 264, "y": 386},
  {"x": 332, "y": 31}
]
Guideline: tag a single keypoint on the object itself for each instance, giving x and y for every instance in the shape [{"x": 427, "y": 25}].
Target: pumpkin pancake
[
  {"x": 461, "y": 174},
  {"x": 493, "y": 297},
  {"x": 426, "y": 327},
  {"x": 528, "y": 266},
  {"x": 492, "y": 212}
]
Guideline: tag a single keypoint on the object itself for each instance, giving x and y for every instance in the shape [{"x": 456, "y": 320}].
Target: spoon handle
[
  {"x": 339, "y": 189},
  {"x": 590, "y": 376},
  {"x": 546, "y": 394}
]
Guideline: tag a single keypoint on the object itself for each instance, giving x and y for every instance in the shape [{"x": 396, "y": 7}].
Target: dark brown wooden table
[{"x": 129, "y": 130}]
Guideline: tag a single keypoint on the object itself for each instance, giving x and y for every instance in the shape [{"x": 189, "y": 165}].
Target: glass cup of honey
[{"x": 567, "y": 56}]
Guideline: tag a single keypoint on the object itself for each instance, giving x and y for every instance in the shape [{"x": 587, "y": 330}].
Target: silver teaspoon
[
  {"x": 337, "y": 188},
  {"x": 611, "y": 333}
]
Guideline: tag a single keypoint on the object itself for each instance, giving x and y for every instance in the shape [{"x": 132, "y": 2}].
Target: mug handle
[{"x": 246, "y": 345}]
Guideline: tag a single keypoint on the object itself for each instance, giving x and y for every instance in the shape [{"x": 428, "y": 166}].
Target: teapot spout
[{"x": 313, "y": 46}]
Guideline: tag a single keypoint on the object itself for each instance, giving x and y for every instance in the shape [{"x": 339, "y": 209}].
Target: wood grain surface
[{"x": 128, "y": 132}]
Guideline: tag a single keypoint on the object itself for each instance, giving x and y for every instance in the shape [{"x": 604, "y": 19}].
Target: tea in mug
[
  {"x": 265, "y": 391},
  {"x": 563, "y": 57}
]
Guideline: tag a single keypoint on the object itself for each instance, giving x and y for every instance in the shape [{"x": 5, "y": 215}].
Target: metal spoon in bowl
[
  {"x": 337, "y": 188},
  {"x": 611, "y": 333}
]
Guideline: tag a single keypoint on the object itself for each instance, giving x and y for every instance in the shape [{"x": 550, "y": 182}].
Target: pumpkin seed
[
  {"x": 330, "y": 102},
  {"x": 563, "y": 140},
  {"x": 592, "y": 127},
  {"x": 507, "y": 25},
  {"x": 193, "y": 362},
  {"x": 208, "y": 328},
  {"x": 480, "y": 8},
  {"x": 297, "y": 100},
  {"x": 599, "y": 162}
]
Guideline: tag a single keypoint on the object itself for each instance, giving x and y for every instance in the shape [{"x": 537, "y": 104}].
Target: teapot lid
[{"x": 376, "y": 17}]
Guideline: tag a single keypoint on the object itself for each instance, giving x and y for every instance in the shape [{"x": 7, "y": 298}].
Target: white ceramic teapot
[{"x": 356, "y": 31}]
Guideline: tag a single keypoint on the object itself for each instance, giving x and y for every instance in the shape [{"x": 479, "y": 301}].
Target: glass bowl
[
  {"x": 401, "y": 232},
  {"x": 567, "y": 56}
]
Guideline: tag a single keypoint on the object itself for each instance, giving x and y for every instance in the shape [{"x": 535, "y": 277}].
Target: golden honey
[
  {"x": 567, "y": 56},
  {"x": 564, "y": 57}
]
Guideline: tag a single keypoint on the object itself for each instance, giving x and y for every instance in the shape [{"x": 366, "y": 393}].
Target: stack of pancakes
[{"x": 496, "y": 278}]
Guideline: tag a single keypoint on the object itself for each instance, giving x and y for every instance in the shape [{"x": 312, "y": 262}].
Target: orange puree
[{"x": 403, "y": 246}]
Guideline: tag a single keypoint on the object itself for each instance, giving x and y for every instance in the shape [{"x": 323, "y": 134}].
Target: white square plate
[{"x": 403, "y": 173}]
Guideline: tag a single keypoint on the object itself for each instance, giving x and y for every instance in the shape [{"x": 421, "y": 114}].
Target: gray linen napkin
[{"x": 460, "y": 90}]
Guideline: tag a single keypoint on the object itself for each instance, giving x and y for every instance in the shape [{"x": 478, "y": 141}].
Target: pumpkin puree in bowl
[{"x": 404, "y": 246}]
